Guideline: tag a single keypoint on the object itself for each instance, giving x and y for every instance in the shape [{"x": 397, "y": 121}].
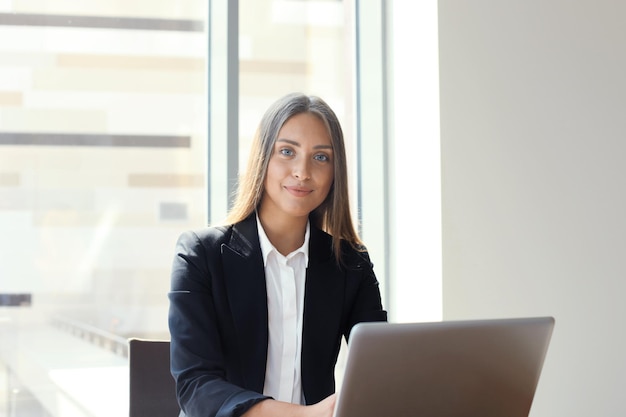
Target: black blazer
[{"x": 218, "y": 317}]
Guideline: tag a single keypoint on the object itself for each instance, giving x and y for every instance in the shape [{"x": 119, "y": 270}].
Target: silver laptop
[{"x": 482, "y": 368}]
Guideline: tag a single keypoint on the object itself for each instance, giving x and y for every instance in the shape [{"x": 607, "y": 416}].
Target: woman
[{"x": 258, "y": 306}]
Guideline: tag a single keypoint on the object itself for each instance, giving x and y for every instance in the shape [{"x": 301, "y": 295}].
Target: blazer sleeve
[
  {"x": 197, "y": 360},
  {"x": 364, "y": 291}
]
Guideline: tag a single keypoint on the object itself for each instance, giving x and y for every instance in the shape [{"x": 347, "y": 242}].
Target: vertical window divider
[{"x": 223, "y": 105}]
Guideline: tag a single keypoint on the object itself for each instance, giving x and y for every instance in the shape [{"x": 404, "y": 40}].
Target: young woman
[{"x": 258, "y": 306}]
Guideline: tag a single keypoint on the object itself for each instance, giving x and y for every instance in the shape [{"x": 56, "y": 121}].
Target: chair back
[{"x": 152, "y": 387}]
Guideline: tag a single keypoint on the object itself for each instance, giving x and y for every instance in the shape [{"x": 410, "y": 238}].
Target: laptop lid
[{"x": 486, "y": 368}]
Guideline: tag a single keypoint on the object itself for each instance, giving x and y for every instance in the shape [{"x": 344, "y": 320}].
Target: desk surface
[{"x": 69, "y": 376}]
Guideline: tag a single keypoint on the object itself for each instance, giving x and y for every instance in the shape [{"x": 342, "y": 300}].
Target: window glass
[
  {"x": 103, "y": 149},
  {"x": 295, "y": 46}
]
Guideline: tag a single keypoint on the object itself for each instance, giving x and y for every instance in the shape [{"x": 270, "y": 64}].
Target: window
[{"x": 103, "y": 143}]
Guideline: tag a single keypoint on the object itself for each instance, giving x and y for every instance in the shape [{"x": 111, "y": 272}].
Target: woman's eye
[
  {"x": 286, "y": 152},
  {"x": 321, "y": 157}
]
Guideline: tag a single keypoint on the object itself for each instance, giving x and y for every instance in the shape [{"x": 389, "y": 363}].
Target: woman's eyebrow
[
  {"x": 297, "y": 144},
  {"x": 289, "y": 141}
]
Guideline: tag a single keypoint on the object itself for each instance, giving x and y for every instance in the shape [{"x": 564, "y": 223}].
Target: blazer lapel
[
  {"x": 324, "y": 282},
  {"x": 323, "y": 306},
  {"x": 247, "y": 295}
]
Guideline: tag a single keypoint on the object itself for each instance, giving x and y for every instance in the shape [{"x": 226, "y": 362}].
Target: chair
[{"x": 152, "y": 388}]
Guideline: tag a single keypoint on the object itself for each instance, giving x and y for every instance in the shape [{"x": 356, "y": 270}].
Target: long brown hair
[{"x": 333, "y": 215}]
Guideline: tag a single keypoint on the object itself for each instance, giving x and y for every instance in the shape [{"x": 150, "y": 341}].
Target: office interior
[{"x": 486, "y": 147}]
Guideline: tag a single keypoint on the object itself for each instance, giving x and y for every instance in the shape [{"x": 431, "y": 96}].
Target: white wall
[
  {"x": 415, "y": 168},
  {"x": 533, "y": 111}
]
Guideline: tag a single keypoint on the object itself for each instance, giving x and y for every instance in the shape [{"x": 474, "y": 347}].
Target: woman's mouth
[{"x": 299, "y": 191}]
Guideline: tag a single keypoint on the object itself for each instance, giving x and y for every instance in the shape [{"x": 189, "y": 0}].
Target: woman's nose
[{"x": 301, "y": 170}]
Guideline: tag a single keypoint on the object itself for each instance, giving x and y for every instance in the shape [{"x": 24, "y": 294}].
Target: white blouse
[{"x": 284, "y": 280}]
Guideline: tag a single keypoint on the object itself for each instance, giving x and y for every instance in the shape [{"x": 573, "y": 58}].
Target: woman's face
[{"x": 300, "y": 172}]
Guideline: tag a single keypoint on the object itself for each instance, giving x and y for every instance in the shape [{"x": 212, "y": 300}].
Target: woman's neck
[{"x": 285, "y": 233}]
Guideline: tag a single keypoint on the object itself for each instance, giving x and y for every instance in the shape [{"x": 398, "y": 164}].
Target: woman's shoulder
[
  {"x": 209, "y": 236},
  {"x": 355, "y": 256}
]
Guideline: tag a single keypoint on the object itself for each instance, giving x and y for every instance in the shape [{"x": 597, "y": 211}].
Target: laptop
[{"x": 472, "y": 368}]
